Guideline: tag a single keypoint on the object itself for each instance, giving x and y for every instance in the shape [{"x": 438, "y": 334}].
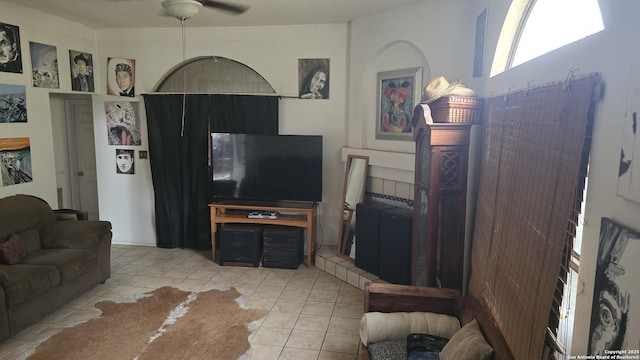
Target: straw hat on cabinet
[{"x": 440, "y": 86}]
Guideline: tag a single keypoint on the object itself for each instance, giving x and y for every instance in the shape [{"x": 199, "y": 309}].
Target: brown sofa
[
  {"x": 390, "y": 298},
  {"x": 58, "y": 261}
]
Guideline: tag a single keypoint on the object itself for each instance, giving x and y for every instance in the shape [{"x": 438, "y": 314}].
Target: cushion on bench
[{"x": 377, "y": 326}]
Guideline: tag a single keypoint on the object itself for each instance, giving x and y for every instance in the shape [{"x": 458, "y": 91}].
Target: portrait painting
[
  {"x": 124, "y": 161},
  {"x": 616, "y": 308},
  {"x": 13, "y": 104},
  {"x": 123, "y": 124},
  {"x": 15, "y": 165},
  {"x": 398, "y": 92},
  {"x": 81, "y": 71},
  {"x": 121, "y": 74},
  {"x": 44, "y": 65},
  {"x": 313, "y": 78},
  {"x": 10, "y": 50}
]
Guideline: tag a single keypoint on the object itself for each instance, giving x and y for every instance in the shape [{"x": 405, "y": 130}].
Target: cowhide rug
[{"x": 167, "y": 323}]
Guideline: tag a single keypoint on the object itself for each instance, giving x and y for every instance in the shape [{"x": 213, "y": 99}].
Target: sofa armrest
[
  {"x": 404, "y": 298},
  {"x": 74, "y": 234}
]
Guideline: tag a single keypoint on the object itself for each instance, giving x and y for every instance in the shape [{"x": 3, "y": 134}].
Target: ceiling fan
[{"x": 186, "y": 9}]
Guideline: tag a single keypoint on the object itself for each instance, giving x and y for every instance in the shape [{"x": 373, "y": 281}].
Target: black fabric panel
[
  {"x": 179, "y": 156},
  {"x": 195, "y": 174},
  {"x": 164, "y": 128},
  {"x": 244, "y": 114}
]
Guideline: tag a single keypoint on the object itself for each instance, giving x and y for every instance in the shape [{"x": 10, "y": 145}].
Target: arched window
[
  {"x": 552, "y": 24},
  {"x": 214, "y": 75},
  {"x": 535, "y": 27}
]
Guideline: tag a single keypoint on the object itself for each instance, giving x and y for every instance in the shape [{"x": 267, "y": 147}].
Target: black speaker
[
  {"x": 240, "y": 245},
  {"x": 396, "y": 231},
  {"x": 368, "y": 234},
  {"x": 283, "y": 247}
]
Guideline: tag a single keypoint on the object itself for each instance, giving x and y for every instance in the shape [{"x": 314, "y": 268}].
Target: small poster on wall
[
  {"x": 13, "y": 104},
  {"x": 122, "y": 122},
  {"x": 121, "y": 74},
  {"x": 44, "y": 65},
  {"x": 81, "y": 71},
  {"x": 15, "y": 164},
  {"x": 313, "y": 78},
  {"x": 10, "y": 54},
  {"x": 616, "y": 298},
  {"x": 124, "y": 161}
]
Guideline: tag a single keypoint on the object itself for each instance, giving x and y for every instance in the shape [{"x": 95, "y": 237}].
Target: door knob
[{"x": 80, "y": 173}]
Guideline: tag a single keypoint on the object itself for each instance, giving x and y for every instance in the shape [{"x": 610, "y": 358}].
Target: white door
[{"x": 82, "y": 158}]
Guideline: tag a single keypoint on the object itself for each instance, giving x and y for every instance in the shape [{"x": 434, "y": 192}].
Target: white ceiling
[{"x": 149, "y": 13}]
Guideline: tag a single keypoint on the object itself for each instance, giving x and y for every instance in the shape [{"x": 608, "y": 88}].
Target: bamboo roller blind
[{"x": 534, "y": 142}]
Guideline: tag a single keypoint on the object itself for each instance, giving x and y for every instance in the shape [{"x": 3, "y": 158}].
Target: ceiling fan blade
[{"x": 236, "y": 9}]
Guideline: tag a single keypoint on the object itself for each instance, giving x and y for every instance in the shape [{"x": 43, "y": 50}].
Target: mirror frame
[{"x": 345, "y": 223}]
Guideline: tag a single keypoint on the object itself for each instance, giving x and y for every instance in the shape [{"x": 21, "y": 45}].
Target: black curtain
[
  {"x": 244, "y": 114},
  {"x": 179, "y": 156}
]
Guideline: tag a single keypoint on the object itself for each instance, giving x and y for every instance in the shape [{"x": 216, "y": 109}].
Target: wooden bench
[{"x": 389, "y": 298}]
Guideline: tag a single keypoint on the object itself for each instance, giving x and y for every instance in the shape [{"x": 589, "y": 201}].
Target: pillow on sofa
[
  {"x": 467, "y": 344},
  {"x": 12, "y": 250}
]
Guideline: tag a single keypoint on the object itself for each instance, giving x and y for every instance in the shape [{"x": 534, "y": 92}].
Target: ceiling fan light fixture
[{"x": 182, "y": 9}]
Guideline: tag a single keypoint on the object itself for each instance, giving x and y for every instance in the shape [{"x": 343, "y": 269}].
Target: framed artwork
[
  {"x": 15, "y": 161},
  {"x": 81, "y": 71},
  {"x": 121, "y": 75},
  {"x": 44, "y": 65},
  {"x": 478, "y": 53},
  {"x": 313, "y": 78},
  {"x": 398, "y": 93},
  {"x": 11, "y": 54},
  {"x": 13, "y": 104},
  {"x": 124, "y": 161},
  {"x": 616, "y": 297},
  {"x": 123, "y": 124}
]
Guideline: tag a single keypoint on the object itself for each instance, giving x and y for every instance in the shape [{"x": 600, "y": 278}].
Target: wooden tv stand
[{"x": 298, "y": 214}]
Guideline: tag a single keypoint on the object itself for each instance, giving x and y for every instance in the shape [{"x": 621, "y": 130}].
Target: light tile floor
[{"x": 312, "y": 313}]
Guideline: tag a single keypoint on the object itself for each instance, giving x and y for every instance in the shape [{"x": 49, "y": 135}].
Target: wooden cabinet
[
  {"x": 303, "y": 215},
  {"x": 440, "y": 192}
]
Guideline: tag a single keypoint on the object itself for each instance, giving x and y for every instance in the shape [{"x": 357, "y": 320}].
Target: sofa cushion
[
  {"x": 467, "y": 344},
  {"x": 26, "y": 282},
  {"x": 23, "y": 212},
  {"x": 12, "y": 250},
  {"x": 388, "y": 350},
  {"x": 31, "y": 240},
  {"x": 71, "y": 263},
  {"x": 377, "y": 326},
  {"x": 74, "y": 234}
]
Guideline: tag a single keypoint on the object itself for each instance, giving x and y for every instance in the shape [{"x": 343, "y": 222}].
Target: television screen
[{"x": 267, "y": 167}]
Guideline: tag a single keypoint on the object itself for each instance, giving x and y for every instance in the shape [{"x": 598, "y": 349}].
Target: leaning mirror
[{"x": 355, "y": 181}]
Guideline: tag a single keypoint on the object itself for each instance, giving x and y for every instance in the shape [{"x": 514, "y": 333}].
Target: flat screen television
[{"x": 266, "y": 167}]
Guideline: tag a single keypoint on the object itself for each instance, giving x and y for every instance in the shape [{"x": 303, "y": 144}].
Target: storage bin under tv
[
  {"x": 282, "y": 246},
  {"x": 292, "y": 213}
]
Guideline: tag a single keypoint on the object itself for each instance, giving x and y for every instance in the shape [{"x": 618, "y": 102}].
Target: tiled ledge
[{"x": 345, "y": 270}]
